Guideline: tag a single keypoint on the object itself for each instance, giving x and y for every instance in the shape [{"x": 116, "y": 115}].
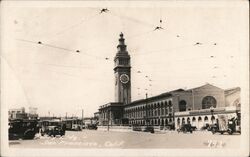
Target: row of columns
[
  {"x": 197, "y": 121},
  {"x": 155, "y": 122}
]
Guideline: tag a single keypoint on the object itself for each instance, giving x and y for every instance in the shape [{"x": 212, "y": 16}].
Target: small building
[{"x": 18, "y": 113}]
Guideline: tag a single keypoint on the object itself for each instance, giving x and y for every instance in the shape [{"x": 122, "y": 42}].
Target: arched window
[
  {"x": 213, "y": 119},
  {"x": 166, "y": 121},
  {"x": 193, "y": 119},
  {"x": 206, "y": 118},
  {"x": 199, "y": 119},
  {"x": 170, "y": 103},
  {"x": 182, "y": 105},
  {"x": 166, "y": 103},
  {"x": 183, "y": 121},
  {"x": 208, "y": 102}
]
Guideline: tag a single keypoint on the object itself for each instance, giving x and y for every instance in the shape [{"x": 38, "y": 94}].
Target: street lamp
[{"x": 212, "y": 113}]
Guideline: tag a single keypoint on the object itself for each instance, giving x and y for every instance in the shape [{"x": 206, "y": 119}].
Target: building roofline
[
  {"x": 167, "y": 94},
  {"x": 190, "y": 89}
]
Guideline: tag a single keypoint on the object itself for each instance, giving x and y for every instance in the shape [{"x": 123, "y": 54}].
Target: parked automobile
[
  {"x": 170, "y": 127},
  {"x": 92, "y": 126},
  {"x": 53, "y": 128},
  {"x": 206, "y": 127},
  {"x": 185, "y": 128},
  {"x": 136, "y": 128},
  {"x": 148, "y": 129},
  {"x": 53, "y": 131},
  {"x": 194, "y": 128}
]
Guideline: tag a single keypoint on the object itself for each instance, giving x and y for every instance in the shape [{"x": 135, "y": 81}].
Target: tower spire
[{"x": 122, "y": 47}]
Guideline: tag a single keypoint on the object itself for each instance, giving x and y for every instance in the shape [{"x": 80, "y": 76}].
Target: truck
[
  {"x": 23, "y": 129},
  {"x": 225, "y": 124}
]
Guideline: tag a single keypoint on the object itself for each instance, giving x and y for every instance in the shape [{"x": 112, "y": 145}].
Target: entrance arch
[
  {"x": 199, "y": 123},
  {"x": 183, "y": 121},
  {"x": 212, "y": 119},
  {"x": 206, "y": 120},
  {"x": 193, "y": 121}
]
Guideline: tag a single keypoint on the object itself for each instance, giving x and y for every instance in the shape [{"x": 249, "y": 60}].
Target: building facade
[
  {"x": 18, "y": 113},
  {"x": 198, "y": 106}
]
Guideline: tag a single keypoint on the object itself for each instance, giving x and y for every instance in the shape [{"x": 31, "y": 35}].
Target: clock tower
[{"x": 122, "y": 73}]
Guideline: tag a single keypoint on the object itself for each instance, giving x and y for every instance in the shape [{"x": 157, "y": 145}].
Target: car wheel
[
  {"x": 230, "y": 131},
  {"x": 185, "y": 130},
  {"x": 213, "y": 131}
]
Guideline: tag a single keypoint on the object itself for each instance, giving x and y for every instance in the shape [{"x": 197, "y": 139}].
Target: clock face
[{"x": 124, "y": 78}]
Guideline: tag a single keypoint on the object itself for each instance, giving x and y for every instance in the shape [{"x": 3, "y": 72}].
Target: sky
[{"x": 200, "y": 43}]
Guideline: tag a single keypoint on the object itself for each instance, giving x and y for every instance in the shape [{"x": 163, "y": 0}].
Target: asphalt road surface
[{"x": 131, "y": 140}]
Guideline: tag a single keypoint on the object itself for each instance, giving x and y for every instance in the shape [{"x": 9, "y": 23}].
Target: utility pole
[
  {"x": 193, "y": 98},
  {"x": 82, "y": 118},
  {"x": 146, "y": 109},
  {"x": 108, "y": 118}
]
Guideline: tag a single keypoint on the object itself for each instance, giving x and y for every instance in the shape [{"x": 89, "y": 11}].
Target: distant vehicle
[
  {"x": 52, "y": 128},
  {"x": 143, "y": 128},
  {"x": 224, "y": 125},
  {"x": 53, "y": 131},
  {"x": 148, "y": 128},
  {"x": 91, "y": 126},
  {"x": 73, "y": 124},
  {"x": 170, "y": 127},
  {"x": 22, "y": 129},
  {"x": 136, "y": 127},
  {"x": 185, "y": 128},
  {"x": 206, "y": 127}
]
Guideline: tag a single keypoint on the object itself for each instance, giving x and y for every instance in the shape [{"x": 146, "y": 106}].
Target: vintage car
[
  {"x": 170, "y": 127},
  {"x": 143, "y": 128},
  {"x": 22, "y": 129},
  {"x": 52, "y": 128},
  {"x": 148, "y": 129},
  {"x": 185, "y": 128},
  {"x": 92, "y": 127},
  {"x": 53, "y": 131},
  {"x": 136, "y": 127}
]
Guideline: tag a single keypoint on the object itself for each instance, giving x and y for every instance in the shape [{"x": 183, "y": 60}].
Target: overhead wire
[
  {"x": 85, "y": 20},
  {"x": 47, "y": 45},
  {"x": 121, "y": 17},
  {"x": 19, "y": 80},
  {"x": 64, "y": 66}
]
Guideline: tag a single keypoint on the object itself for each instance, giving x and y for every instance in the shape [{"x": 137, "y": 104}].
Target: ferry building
[{"x": 198, "y": 106}]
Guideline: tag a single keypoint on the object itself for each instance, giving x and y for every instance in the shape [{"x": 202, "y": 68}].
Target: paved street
[{"x": 111, "y": 139}]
